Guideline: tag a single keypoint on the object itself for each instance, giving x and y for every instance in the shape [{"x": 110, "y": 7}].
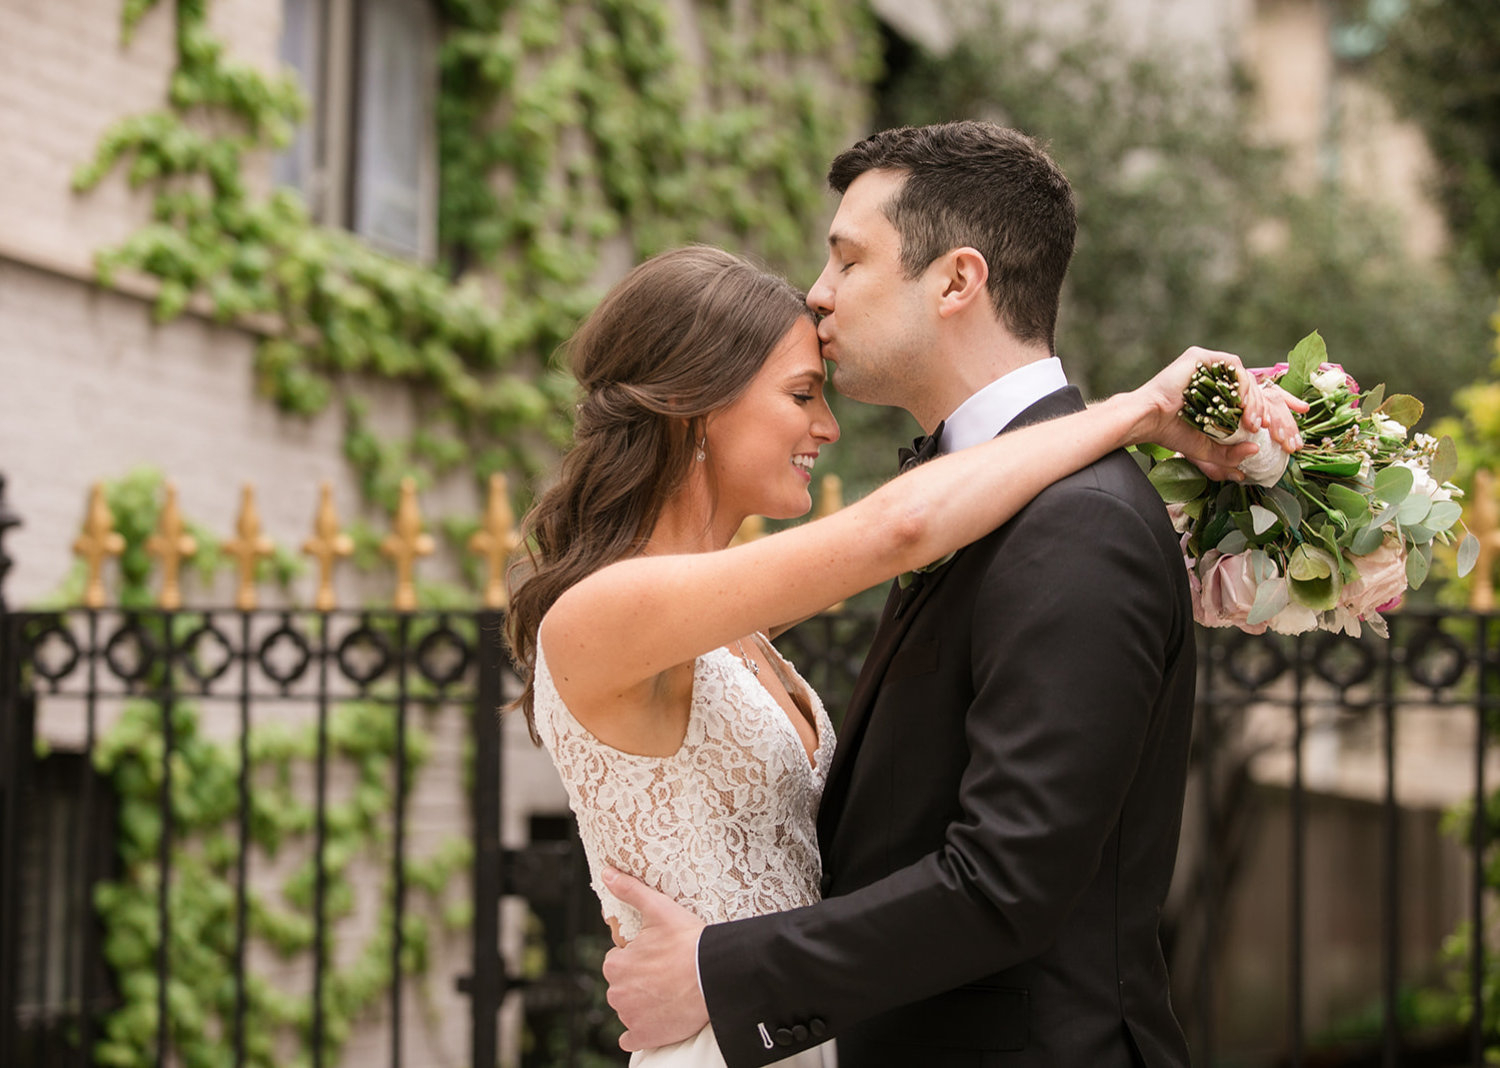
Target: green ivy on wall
[{"x": 562, "y": 126}]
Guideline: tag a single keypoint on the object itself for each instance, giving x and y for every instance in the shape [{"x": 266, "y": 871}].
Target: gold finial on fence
[
  {"x": 830, "y": 496},
  {"x": 327, "y": 544},
  {"x": 248, "y": 548},
  {"x": 1484, "y": 523},
  {"x": 830, "y": 500},
  {"x": 173, "y": 544},
  {"x": 98, "y": 540},
  {"x": 752, "y": 529},
  {"x": 495, "y": 540},
  {"x": 406, "y": 544}
]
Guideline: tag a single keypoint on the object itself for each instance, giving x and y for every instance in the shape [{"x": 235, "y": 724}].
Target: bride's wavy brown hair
[{"x": 678, "y": 338}]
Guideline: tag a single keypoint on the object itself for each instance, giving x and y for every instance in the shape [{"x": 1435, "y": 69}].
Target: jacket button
[
  {"x": 799, "y": 1033},
  {"x": 817, "y": 1027},
  {"x": 783, "y": 1036}
]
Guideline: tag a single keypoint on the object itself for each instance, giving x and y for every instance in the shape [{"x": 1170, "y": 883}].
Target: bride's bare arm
[{"x": 630, "y": 621}]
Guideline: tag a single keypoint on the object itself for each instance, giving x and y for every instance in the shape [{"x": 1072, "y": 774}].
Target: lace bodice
[{"x": 727, "y": 825}]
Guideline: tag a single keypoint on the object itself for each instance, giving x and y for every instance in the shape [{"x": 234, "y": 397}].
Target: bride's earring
[{"x": 699, "y": 455}]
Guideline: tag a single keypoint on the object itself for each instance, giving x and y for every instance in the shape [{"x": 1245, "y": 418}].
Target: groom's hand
[{"x": 653, "y": 981}]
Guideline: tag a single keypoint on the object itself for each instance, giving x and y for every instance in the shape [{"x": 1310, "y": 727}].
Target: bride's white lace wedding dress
[{"x": 727, "y": 825}]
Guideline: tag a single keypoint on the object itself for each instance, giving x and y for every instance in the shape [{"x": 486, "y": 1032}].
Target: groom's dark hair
[{"x": 983, "y": 186}]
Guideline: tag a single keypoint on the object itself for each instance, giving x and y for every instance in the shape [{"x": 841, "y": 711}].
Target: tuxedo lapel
[
  {"x": 887, "y": 640},
  {"x": 893, "y": 628}
]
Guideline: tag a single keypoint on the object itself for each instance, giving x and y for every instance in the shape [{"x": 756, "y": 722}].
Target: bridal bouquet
[{"x": 1328, "y": 537}]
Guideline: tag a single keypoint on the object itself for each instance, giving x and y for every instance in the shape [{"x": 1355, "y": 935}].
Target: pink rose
[
  {"x": 1263, "y": 374},
  {"x": 1381, "y": 581},
  {"x": 1228, "y": 593}
]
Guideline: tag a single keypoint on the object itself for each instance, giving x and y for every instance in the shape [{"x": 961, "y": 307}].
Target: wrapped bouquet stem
[{"x": 1328, "y": 537}]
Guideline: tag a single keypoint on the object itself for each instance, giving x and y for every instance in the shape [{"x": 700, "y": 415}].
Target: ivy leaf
[
  {"x": 1468, "y": 554},
  {"x": 1177, "y": 480},
  {"x": 1302, "y": 361}
]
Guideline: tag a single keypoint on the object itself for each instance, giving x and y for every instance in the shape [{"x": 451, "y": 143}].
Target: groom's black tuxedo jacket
[{"x": 1000, "y": 823}]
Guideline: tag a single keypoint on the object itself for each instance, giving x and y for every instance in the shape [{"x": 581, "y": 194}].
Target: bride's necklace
[{"x": 751, "y": 664}]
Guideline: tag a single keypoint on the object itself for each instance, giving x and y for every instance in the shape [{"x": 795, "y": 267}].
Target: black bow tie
[{"x": 922, "y": 449}]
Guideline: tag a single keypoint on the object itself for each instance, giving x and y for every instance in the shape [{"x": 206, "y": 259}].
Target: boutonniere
[{"x": 906, "y": 578}]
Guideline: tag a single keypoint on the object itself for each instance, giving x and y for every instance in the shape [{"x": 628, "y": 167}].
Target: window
[{"x": 366, "y": 157}]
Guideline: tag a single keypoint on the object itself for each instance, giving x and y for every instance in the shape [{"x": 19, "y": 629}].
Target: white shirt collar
[{"x": 990, "y": 411}]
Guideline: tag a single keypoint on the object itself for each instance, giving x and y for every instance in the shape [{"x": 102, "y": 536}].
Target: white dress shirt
[{"x": 990, "y": 411}]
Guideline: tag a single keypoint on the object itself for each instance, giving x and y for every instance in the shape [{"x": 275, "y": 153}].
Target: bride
[{"x": 694, "y": 756}]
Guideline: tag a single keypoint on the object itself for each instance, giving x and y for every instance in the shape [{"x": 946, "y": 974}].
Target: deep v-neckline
[{"x": 809, "y": 715}]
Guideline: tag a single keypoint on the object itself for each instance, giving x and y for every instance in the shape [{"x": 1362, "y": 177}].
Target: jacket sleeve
[{"x": 1071, "y": 625}]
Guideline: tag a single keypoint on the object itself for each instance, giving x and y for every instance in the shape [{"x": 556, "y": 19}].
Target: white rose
[
  {"x": 1329, "y": 380},
  {"x": 1387, "y": 426},
  {"x": 1424, "y": 483}
]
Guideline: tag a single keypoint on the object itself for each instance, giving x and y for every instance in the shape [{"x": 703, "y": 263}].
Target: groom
[{"x": 1000, "y": 823}]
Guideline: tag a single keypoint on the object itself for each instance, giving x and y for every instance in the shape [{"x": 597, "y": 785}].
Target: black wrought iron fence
[
  {"x": 232, "y": 835},
  {"x": 1401, "y": 934},
  {"x": 1321, "y": 914}
]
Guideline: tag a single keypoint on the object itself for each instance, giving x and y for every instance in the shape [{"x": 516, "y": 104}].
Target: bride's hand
[{"x": 1270, "y": 407}]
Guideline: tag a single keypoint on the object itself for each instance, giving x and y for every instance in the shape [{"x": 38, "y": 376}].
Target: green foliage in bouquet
[{"x": 1341, "y": 531}]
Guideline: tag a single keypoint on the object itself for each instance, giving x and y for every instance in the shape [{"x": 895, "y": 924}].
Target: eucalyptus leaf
[
  {"x": 1385, "y": 515},
  {"x": 1263, "y": 519},
  {"x": 1468, "y": 554},
  {"x": 1270, "y": 598},
  {"x": 1416, "y": 569},
  {"x": 1142, "y": 461},
  {"x": 1406, "y": 410},
  {"x": 1414, "y": 509},
  {"x": 1419, "y": 533},
  {"x": 1289, "y": 506},
  {"x": 1305, "y": 566},
  {"x": 1314, "y": 578},
  {"x": 1354, "y": 506},
  {"x": 1443, "y": 515},
  {"x": 1391, "y": 485},
  {"x": 1372, "y": 400},
  {"x": 1177, "y": 480},
  {"x": 1367, "y": 540},
  {"x": 1233, "y": 542},
  {"x": 1444, "y": 460}
]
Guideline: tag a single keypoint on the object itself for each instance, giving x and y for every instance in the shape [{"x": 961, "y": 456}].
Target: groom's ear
[{"x": 963, "y": 276}]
